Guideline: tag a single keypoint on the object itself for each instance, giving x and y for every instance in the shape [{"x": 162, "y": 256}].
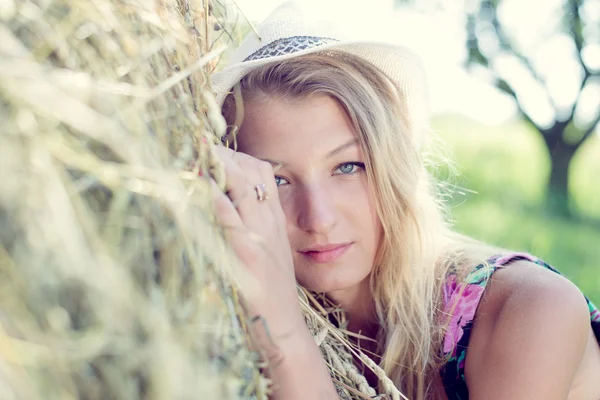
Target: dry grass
[
  {"x": 114, "y": 277},
  {"x": 115, "y": 280}
]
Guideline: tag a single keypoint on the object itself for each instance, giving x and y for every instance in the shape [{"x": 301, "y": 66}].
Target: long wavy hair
[{"x": 418, "y": 249}]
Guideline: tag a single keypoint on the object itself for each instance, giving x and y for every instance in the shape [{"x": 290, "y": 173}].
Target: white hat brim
[{"x": 398, "y": 63}]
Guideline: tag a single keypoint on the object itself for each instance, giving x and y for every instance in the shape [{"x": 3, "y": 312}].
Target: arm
[
  {"x": 255, "y": 229},
  {"x": 529, "y": 336},
  {"x": 296, "y": 367}
]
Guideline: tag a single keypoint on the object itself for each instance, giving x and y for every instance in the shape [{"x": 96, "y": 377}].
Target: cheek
[
  {"x": 367, "y": 221},
  {"x": 377, "y": 229},
  {"x": 350, "y": 200},
  {"x": 374, "y": 225},
  {"x": 366, "y": 206},
  {"x": 287, "y": 205},
  {"x": 373, "y": 215}
]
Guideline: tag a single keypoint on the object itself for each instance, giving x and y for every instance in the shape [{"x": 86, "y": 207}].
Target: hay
[{"x": 115, "y": 280}]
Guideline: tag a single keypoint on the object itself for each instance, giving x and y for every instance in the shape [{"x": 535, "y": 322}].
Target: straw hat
[{"x": 293, "y": 30}]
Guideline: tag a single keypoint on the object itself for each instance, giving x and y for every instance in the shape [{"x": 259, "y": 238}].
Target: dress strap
[{"x": 461, "y": 301}]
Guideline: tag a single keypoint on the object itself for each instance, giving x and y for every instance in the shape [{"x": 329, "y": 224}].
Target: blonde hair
[{"x": 417, "y": 248}]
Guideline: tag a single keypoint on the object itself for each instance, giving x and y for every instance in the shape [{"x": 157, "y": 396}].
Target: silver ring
[{"x": 261, "y": 192}]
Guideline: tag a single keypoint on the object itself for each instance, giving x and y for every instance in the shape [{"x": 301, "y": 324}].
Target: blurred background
[{"x": 515, "y": 90}]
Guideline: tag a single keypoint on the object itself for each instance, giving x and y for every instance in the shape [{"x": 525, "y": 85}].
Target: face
[{"x": 332, "y": 224}]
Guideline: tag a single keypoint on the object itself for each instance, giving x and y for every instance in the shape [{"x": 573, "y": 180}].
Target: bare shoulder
[{"x": 529, "y": 335}]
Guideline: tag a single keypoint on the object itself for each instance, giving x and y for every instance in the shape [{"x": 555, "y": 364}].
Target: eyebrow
[
  {"x": 278, "y": 164},
  {"x": 341, "y": 148}
]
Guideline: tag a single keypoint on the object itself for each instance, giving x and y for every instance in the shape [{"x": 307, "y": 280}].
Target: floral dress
[{"x": 461, "y": 299}]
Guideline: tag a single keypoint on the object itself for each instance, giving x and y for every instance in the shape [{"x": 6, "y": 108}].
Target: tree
[{"x": 516, "y": 69}]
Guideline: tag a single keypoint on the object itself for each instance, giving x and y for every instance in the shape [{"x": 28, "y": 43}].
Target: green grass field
[{"x": 500, "y": 191}]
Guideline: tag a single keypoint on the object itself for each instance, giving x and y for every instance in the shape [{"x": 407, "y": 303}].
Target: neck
[{"x": 359, "y": 306}]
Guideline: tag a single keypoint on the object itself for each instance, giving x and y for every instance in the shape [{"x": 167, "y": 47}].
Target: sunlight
[{"x": 437, "y": 36}]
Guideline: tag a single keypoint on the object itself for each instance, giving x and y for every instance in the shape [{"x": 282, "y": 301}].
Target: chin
[
  {"x": 324, "y": 287},
  {"x": 331, "y": 280}
]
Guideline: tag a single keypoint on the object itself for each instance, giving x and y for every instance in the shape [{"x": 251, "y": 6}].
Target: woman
[{"x": 328, "y": 172}]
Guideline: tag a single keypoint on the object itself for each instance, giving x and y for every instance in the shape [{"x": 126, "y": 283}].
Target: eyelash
[
  {"x": 359, "y": 165},
  {"x": 354, "y": 164}
]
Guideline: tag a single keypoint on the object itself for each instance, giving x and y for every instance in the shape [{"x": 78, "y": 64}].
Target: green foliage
[
  {"x": 486, "y": 21},
  {"x": 504, "y": 170}
]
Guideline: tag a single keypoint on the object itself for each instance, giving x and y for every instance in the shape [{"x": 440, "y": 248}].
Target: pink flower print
[
  {"x": 595, "y": 314},
  {"x": 462, "y": 306}
]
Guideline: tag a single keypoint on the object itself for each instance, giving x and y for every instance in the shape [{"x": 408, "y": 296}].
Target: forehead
[{"x": 279, "y": 125}]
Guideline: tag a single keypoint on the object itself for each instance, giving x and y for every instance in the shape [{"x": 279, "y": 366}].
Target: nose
[{"x": 316, "y": 210}]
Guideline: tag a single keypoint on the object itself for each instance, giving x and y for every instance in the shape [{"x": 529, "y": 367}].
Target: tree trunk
[{"x": 557, "y": 195}]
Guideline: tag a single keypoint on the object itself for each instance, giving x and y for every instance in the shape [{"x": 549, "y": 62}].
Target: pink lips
[{"x": 323, "y": 254}]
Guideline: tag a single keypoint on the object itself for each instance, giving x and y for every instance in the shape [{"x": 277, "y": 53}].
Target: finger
[
  {"x": 250, "y": 166},
  {"x": 245, "y": 177},
  {"x": 235, "y": 230},
  {"x": 238, "y": 184},
  {"x": 265, "y": 218},
  {"x": 225, "y": 212},
  {"x": 242, "y": 241}
]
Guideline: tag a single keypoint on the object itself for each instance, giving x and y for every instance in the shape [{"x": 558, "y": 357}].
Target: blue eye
[
  {"x": 279, "y": 181},
  {"x": 350, "y": 167}
]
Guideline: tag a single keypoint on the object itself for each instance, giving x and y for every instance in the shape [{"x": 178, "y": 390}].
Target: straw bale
[{"x": 115, "y": 279}]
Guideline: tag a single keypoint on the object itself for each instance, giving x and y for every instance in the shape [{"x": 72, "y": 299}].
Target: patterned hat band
[{"x": 289, "y": 45}]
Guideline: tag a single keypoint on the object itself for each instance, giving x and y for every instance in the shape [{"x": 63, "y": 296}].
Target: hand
[{"x": 256, "y": 230}]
